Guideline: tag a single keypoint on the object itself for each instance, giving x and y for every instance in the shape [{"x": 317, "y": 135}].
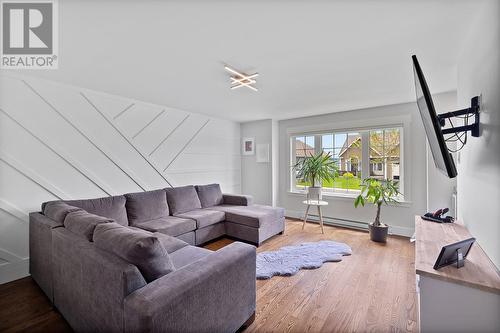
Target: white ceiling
[{"x": 312, "y": 56}]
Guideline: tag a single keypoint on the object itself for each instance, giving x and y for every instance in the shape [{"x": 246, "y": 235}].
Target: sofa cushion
[
  {"x": 188, "y": 237},
  {"x": 171, "y": 244},
  {"x": 83, "y": 223},
  {"x": 145, "y": 206},
  {"x": 170, "y": 225},
  {"x": 182, "y": 199},
  {"x": 57, "y": 210},
  {"x": 112, "y": 207},
  {"x": 140, "y": 249},
  {"x": 253, "y": 216},
  {"x": 204, "y": 217},
  {"x": 210, "y": 195},
  {"x": 187, "y": 255}
]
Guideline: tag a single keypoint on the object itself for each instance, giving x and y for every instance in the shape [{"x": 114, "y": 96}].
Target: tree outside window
[{"x": 385, "y": 153}]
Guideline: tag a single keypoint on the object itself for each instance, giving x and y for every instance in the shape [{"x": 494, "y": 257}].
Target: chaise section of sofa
[
  {"x": 255, "y": 223},
  {"x": 90, "y": 284},
  {"x": 97, "y": 290},
  {"x": 212, "y": 294}
]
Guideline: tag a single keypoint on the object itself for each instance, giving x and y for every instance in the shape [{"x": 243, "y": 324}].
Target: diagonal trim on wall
[
  {"x": 84, "y": 135},
  {"x": 9, "y": 256},
  {"x": 36, "y": 160},
  {"x": 124, "y": 110},
  {"x": 169, "y": 134},
  {"x": 187, "y": 144},
  {"x": 125, "y": 138},
  {"x": 173, "y": 172},
  {"x": 33, "y": 176},
  {"x": 66, "y": 158},
  {"x": 149, "y": 123},
  {"x": 13, "y": 210}
]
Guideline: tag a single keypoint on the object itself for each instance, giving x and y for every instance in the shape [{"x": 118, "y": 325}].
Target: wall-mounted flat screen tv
[{"x": 442, "y": 157}]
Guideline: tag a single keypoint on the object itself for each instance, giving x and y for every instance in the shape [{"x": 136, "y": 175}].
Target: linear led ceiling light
[{"x": 239, "y": 79}]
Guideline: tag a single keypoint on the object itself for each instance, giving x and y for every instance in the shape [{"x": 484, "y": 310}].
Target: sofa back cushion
[
  {"x": 137, "y": 247},
  {"x": 111, "y": 207},
  {"x": 146, "y": 206},
  {"x": 83, "y": 223},
  {"x": 58, "y": 210},
  {"x": 182, "y": 199},
  {"x": 210, "y": 195}
]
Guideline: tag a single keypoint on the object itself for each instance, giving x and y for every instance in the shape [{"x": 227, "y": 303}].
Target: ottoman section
[{"x": 254, "y": 223}]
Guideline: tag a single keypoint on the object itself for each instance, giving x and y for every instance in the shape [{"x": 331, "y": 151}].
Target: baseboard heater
[{"x": 335, "y": 221}]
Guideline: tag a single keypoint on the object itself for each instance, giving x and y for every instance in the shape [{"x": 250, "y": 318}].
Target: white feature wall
[
  {"x": 63, "y": 142},
  {"x": 479, "y": 162}
]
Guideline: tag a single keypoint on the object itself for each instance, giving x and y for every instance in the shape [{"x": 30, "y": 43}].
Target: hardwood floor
[
  {"x": 371, "y": 290},
  {"x": 25, "y": 308}
]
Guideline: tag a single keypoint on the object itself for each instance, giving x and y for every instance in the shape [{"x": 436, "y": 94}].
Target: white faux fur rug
[{"x": 290, "y": 259}]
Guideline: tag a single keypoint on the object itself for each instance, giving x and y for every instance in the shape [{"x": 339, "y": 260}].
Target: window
[
  {"x": 345, "y": 150},
  {"x": 304, "y": 148},
  {"x": 358, "y": 154},
  {"x": 385, "y": 153}
]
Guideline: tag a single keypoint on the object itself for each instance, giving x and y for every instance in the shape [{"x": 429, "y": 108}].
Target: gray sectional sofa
[{"x": 129, "y": 263}]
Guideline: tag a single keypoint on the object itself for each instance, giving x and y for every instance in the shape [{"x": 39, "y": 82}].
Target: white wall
[
  {"x": 479, "y": 161},
  {"x": 275, "y": 162},
  {"x": 257, "y": 178},
  {"x": 60, "y": 141},
  {"x": 400, "y": 218}
]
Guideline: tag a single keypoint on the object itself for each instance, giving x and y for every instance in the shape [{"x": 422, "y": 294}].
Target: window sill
[{"x": 327, "y": 196}]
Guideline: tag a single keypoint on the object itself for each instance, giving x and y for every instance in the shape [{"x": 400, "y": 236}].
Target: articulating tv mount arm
[{"x": 474, "y": 128}]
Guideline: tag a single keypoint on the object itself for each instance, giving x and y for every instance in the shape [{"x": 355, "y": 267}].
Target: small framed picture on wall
[{"x": 248, "y": 146}]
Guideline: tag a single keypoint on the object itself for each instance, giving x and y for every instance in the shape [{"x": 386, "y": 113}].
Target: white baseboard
[
  {"x": 13, "y": 271},
  {"x": 393, "y": 230}
]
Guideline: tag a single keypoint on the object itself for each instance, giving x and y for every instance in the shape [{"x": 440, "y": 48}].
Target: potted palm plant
[
  {"x": 377, "y": 192},
  {"x": 316, "y": 169}
]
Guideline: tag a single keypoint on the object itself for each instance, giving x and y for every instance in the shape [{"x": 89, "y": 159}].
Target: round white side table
[{"x": 319, "y": 204}]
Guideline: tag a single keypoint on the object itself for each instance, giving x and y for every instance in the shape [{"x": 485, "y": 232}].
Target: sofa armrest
[
  {"x": 40, "y": 248},
  {"x": 237, "y": 199},
  {"x": 214, "y": 294},
  {"x": 38, "y": 217}
]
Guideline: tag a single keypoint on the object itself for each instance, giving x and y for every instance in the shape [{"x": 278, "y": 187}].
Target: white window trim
[
  {"x": 402, "y": 202},
  {"x": 362, "y": 126}
]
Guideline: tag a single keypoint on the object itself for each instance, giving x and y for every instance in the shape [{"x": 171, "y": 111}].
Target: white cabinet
[{"x": 454, "y": 299}]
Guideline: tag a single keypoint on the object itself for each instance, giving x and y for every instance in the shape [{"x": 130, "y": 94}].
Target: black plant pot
[{"x": 378, "y": 233}]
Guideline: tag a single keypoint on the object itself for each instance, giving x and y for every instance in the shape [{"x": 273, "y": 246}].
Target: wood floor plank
[{"x": 373, "y": 290}]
